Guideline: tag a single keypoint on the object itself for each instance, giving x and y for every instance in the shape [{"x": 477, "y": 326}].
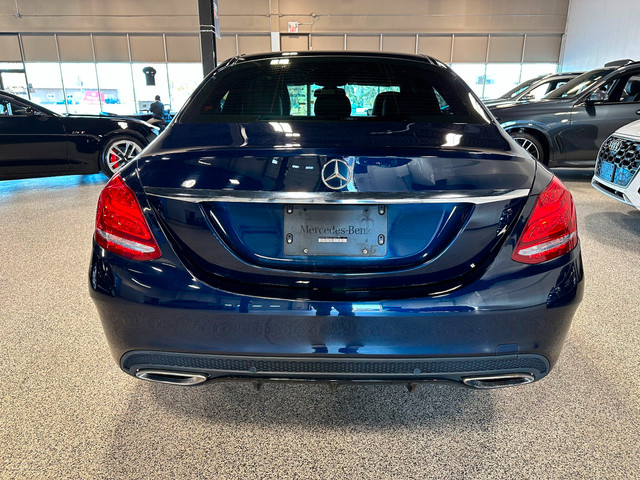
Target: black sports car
[
  {"x": 567, "y": 126},
  {"x": 36, "y": 142}
]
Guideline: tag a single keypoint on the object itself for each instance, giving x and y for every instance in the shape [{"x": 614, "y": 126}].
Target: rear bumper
[
  {"x": 332, "y": 368},
  {"x": 496, "y": 325}
]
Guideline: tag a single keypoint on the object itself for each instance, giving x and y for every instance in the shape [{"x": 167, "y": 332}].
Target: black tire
[
  {"x": 532, "y": 145},
  {"x": 117, "y": 152}
]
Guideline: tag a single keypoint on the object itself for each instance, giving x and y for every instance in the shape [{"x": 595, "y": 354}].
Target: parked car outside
[
  {"x": 36, "y": 142},
  {"x": 567, "y": 127},
  {"x": 257, "y": 241},
  {"x": 534, "y": 89},
  {"x": 617, "y": 166}
]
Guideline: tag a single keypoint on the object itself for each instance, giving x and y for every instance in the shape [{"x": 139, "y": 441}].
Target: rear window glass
[{"x": 333, "y": 88}]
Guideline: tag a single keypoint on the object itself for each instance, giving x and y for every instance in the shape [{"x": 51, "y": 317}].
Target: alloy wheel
[
  {"x": 120, "y": 153},
  {"x": 529, "y": 146}
]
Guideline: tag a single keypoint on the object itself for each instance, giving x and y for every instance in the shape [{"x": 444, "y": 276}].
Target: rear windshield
[
  {"x": 333, "y": 88},
  {"x": 578, "y": 84}
]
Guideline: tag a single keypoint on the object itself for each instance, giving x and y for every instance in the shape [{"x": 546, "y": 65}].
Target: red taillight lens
[
  {"x": 120, "y": 225},
  {"x": 551, "y": 230}
]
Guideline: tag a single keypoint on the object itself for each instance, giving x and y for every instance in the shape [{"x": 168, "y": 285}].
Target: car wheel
[
  {"x": 117, "y": 152},
  {"x": 531, "y": 144}
]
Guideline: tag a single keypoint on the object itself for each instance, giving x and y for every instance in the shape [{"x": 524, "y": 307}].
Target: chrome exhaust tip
[
  {"x": 498, "y": 381},
  {"x": 171, "y": 377}
]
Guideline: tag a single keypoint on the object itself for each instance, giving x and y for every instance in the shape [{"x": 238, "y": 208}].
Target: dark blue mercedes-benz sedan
[{"x": 335, "y": 217}]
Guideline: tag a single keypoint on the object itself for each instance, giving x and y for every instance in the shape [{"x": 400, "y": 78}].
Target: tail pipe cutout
[
  {"x": 498, "y": 381},
  {"x": 171, "y": 377}
]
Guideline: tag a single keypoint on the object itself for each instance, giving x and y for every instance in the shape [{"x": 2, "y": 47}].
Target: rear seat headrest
[{"x": 331, "y": 103}]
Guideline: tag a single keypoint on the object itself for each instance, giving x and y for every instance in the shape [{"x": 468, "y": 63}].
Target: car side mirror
[{"x": 598, "y": 96}]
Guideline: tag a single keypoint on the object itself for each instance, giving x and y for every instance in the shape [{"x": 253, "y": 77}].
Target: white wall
[{"x": 600, "y": 31}]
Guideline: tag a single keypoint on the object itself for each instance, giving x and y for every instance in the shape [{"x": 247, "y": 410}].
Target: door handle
[{"x": 637, "y": 112}]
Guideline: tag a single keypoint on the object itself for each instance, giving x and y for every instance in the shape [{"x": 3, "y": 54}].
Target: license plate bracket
[
  {"x": 335, "y": 230},
  {"x": 607, "y": 170}
]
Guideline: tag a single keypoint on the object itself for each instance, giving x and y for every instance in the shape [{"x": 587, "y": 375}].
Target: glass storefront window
[
  {"x": 81, "y": 87},
  {"x": 145, "y": 94},
  {"x": 176, "y": 81},
  {"x": 532, "y": 70},
  {"x": 183, "y": 80},
  {"x": 501, "y": 77},
  {"x": 11, "y": 66},
  {"x": 45, "y": 85},
  {"x": 116, "y": 88},
  {"x": 473, "y": 74},
  {"x": 12, "y": 79}
]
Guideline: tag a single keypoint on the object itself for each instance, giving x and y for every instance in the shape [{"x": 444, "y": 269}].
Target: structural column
[
  {"x": 274, "y": 21},
  {"x": 207, "y": 16}
]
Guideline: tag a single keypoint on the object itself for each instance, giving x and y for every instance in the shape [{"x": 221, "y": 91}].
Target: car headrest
[
  {"x": 266, "y": 102},
  {"x": 379, "y": 102},
  {"x": 410, "y": 104},
  {"x": 332, "y": 103},
  {"x": 633, "y": 87}
]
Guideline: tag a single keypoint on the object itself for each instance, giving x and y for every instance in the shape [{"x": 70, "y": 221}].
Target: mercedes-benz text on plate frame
[
  {"x": 349, "y": 230},
  {"x": 306, "y": 217}
]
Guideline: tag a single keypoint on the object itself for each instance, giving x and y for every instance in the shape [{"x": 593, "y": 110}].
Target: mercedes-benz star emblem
[
  {"x": 615, "y": 145},
  {"x": 336, "y": 174}
]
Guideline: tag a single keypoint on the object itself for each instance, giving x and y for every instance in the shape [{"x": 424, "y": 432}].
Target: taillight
[
  {"x": 551, "y": 230},
  {"x": 120, "y": 225}
]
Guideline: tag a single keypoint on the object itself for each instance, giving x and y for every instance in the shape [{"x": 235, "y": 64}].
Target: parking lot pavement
[{"x": 66, "y": 411}]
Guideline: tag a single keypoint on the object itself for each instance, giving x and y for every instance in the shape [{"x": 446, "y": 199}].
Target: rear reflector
[
  {"x": 120, "y": 225},
  {"x": 551, "y": 230}
]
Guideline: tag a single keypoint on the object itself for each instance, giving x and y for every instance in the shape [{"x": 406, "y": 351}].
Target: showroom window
[
  {"x": 45, "y": 85},
  {"x": 474, "y": 75},
  {"x": 116, "y": 87},
  {"x": 13, "y": 79},
  {"x": 494, "y": 79},
  {"x": 93, "y": 73},
  {"x": 145, "y": 94},
  {"x": 81, "y": 88},
  {"x": 532, "y": 70},
  {"x": 103, "y": 72},
  {"x": 183, "y": 80},
  {"x": 500, "y": 78},
  {"x": 103, "y": 87}
]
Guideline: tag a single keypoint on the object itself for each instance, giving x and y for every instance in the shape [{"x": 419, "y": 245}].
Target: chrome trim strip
[
  {"x": 345, "y": 198},
  {"x": 622, "y": 136}
]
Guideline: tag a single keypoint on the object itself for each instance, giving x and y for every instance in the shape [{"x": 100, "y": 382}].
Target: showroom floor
[{"x": 66, "y": 411}]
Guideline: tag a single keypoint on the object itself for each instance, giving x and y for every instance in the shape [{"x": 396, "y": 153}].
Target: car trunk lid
[{"x": 246, "y": 217}]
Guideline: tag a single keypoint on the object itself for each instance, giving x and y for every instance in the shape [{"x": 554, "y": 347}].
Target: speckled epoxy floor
[{"x": 66, "y": 411}]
